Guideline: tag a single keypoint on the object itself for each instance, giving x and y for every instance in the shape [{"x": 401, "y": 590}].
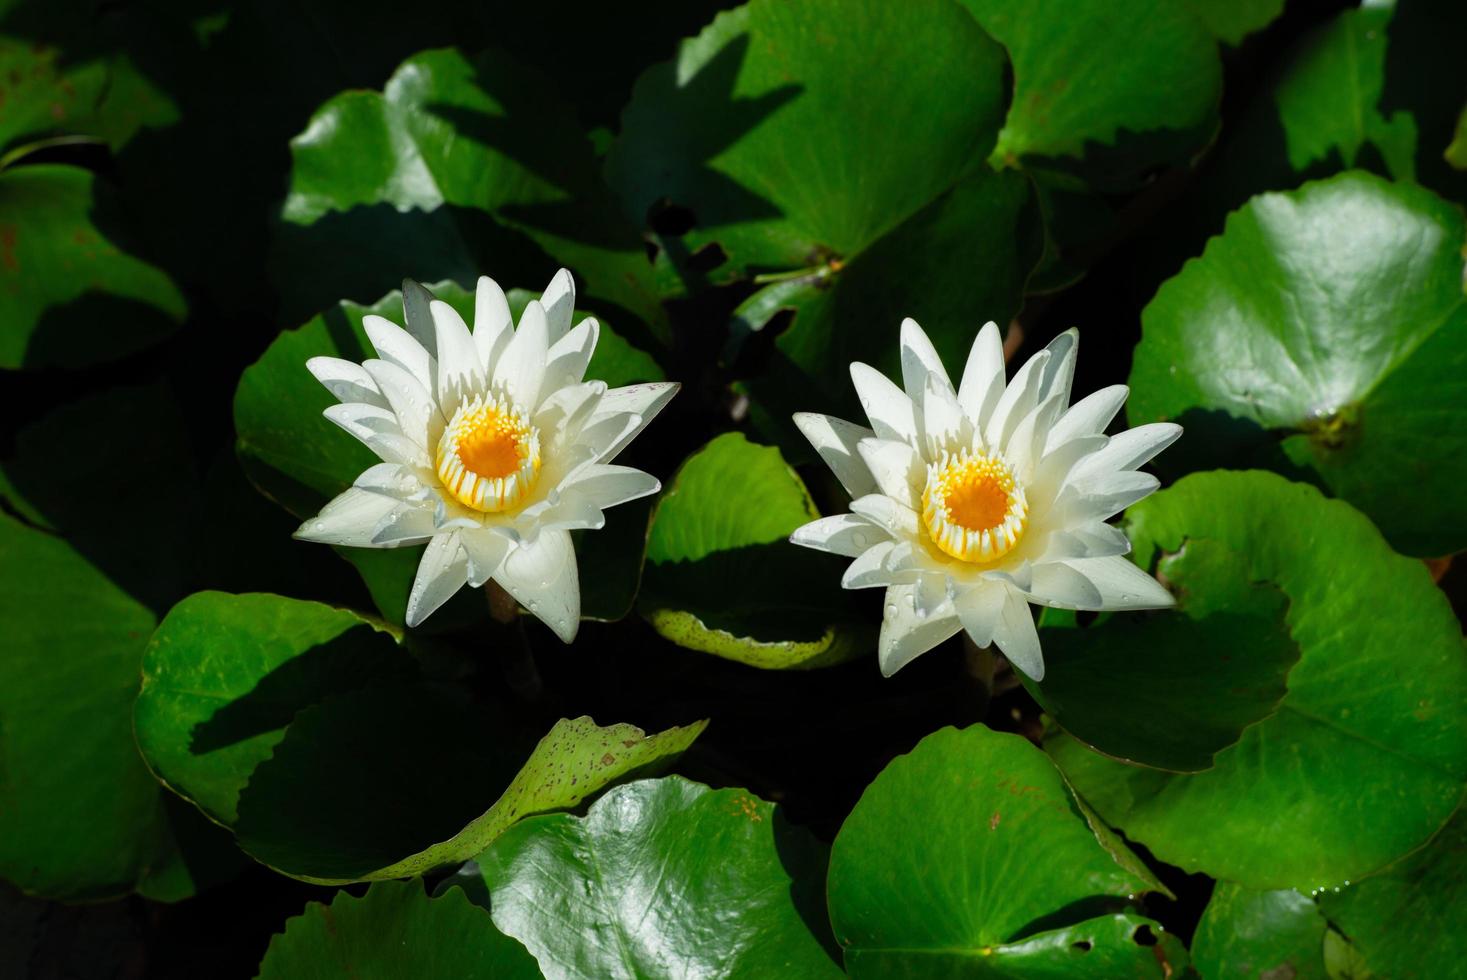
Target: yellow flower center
[
  {"x": 489, "y": 454},
  {"x": 973, "y": 507}
]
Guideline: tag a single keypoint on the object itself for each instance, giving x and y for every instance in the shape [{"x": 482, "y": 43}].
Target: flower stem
[
  {"x": 520, "y": 672},
  {"x": 979, "y": 662}
]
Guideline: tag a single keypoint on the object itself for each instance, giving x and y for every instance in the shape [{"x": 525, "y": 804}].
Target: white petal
[
  {"x": 521, "y": 370},
  {"x": 460, "y": 375},
  {"x": 893, "y": 515},
  {"x": 886, "y": 405},
  {"x": 920, "y": 363},
  {"x": 909, "y": 560},
  {"x": 1027, "y": 442},
  {"x": 869, "y": 569},
  {"x": 643, "y": 399},
  {"x": 931, "y": 594},
  {"x": 1057, "y": 464},
  {"x": 564, "y": 412},
  {"x": 1060, "y": 372},
  {"x": 943, "y": 424},
  {"x": 396, "y": 346},
  {"x": 605, "y": 436},
  {"x": 378, "y": 430},
  {"x": 1057, "y": 584},
  {"x": 542, "y": 576},
  {"x": 835, "y": 441},
  {"x": 905, "y": 635},
  {"x": 485, "y": 550},
  {"x": 409, "y": 523},
  {"x": 1118, "y": 584},
  {"x": 663, "y": 395},
  {"x": 347, "y": 380},
  {"x": 417, "y": 415},
  {"x": 559, "y": 301},
  {"x": 1129, "y": 449},
  {"x": 442, "y": 572},
  {"x": 493, "y": 325},
  {"x": 362, "y": 420},
  {"x": 1095, "y": 499},
  {"x": 1017, "y": 400},
  {"x": 978, "y": 610},
  {"x": 568, "y": 357},
  {"x": 393, "y": 480},
  {"x": 606, "y": 486},
  {"x": 1092, "y": 540},
  {"x": 1087, "y": 417},
  {"x": 982, "y": 383},
  {"x": 842, "y": 534},
  {"x": 571, "y": 512},
  {"x": 349, "y": 519},
  {"x": 899, "y": 470},
  {"x": 1016, "y": 636}
]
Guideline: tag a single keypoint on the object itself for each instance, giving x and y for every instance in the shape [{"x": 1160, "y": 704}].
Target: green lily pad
[
  {"x": 440, "y": 780},
  {"x": 249, "y": 702},
  {"x": 150, "y": 479},
  {"x": 663, "y": 878},
  {"x": 81, "y": 818},
  {"x": 71, "y": 294},
  {"x": 301, "y": 460},
  {"x": 1212, "y": 670},
  {"x": 1232, "y": 20},
  {"x": 755, "y": 132},
  {"x": 1120, "y": 88},
  {"x": 1260, "y": 935},
  {"x": 1407, "y": 920},
  {"x": 722, "y": 577},
  {"x": 48, "y": 93},
  {"x": 467, "y": 160},
  {"x": 1324, "y": 334},
  {"x": 395, "y": 930},
  {"x": 1366, "y": 754},
  {"x": 1008, "y": 875},
  {"x": 225, "y": 674}
]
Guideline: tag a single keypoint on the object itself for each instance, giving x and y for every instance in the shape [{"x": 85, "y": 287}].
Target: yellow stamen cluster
[
  {"x": 489, "y": 454},
  {"x": 973, "y": 507}
]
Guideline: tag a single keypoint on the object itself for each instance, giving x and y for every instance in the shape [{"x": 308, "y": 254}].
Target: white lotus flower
[
  {"x": 970, "y": 504},
  {"x": 493, "y": 448}
]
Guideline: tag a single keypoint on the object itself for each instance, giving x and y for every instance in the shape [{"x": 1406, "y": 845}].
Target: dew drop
[{"x": 859, "y": 539}]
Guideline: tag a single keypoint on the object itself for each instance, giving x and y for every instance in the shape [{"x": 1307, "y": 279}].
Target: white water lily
[
  {"x": 968, "y": 505},
  {"x": 493, "y": 447}
]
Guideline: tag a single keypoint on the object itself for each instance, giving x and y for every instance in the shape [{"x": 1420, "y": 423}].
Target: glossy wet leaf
[
  {"x": 663, "y": 878},
  {"x": 923, "y": 268},
  {"x": 755, "y": 127},
  {"x": 1208, "y": 673},
  {"x": 755, "y": 133},
  {"x": 722, "y": 577},
  {"x": 1260, "y": 935},
  {"x": 468, "y": 159},
  {"x": 301, "y": 460},
  {"x": 1364, "y": 758},
  {"x": 1000, "y": 878},
  {"x": 72, "y": 292},
  {"x": 1318, "y": 112},
  {"x": 81, "y": 818},
  {"x": 395, "y": 930},
  {"x": 224, "y": 675},
  {"x": 1406, "y": 921},
  {"x": 1151, "y": 82},
  {"x": 1324, "y": 334}
]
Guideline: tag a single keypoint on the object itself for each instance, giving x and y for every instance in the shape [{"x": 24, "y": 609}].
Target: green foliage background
[{"x": 221, "y": 752}]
